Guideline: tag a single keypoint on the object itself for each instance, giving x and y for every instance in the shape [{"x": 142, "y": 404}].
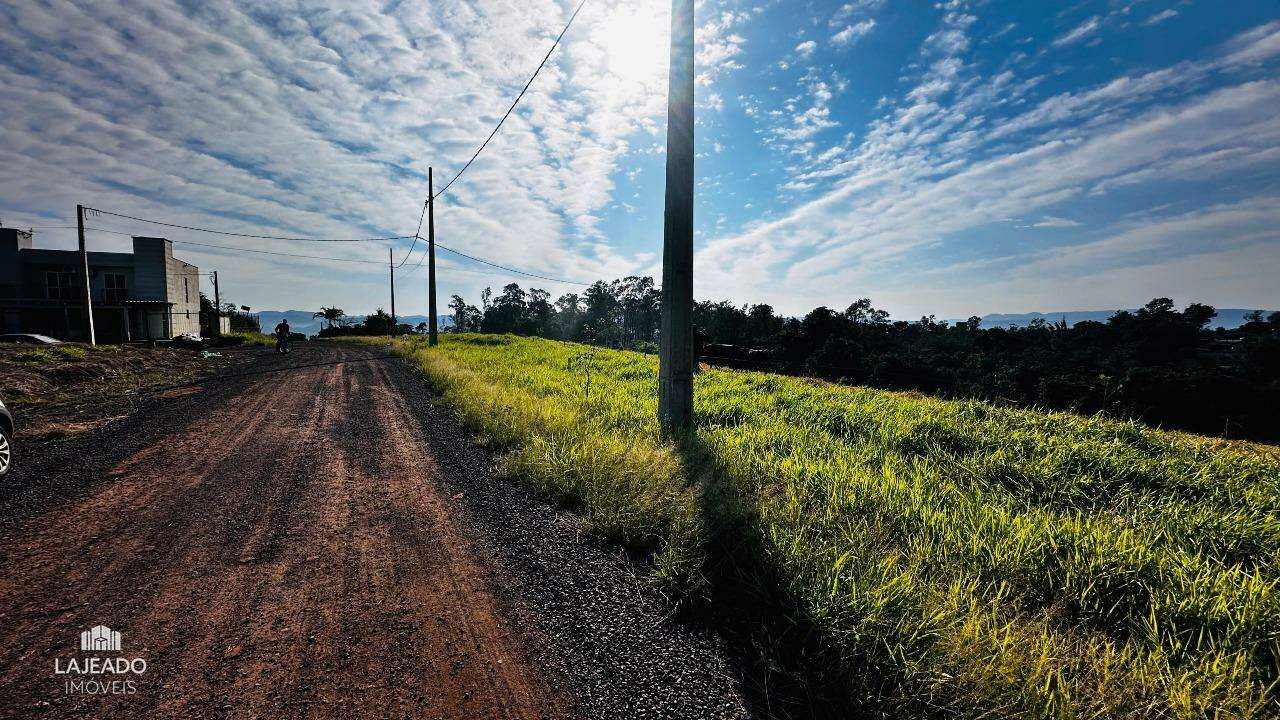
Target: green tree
[
  {"x": 466, "y": 318},
  {"x": 331, "y": 315}
]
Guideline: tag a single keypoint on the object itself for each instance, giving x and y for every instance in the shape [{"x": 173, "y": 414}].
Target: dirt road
[{"x": 286, "y": 552}]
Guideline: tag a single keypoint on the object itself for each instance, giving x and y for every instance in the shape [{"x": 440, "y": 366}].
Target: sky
[{"x": 950, "y": 158}]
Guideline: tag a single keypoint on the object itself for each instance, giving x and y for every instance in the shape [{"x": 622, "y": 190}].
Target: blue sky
[{"x": 948, "y": 158}]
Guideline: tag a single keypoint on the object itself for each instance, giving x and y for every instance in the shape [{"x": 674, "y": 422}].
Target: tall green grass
[
  {"x": 249, "y": 338},
  {"x": 954, "y": 557}
]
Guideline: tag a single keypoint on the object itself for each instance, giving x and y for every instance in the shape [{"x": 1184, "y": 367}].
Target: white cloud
[
  {"x": 1241, "y": 223},
  {"x": 806, "y": 48},
  {"x": 719, "y": 45},
  {"x": 851, "y": 10},
  {"x": 1162, "y": 16},
  {"x": 1049, "y": 221},
  {"x": 793, "y": 129},
  {"x": 1254, "y": 46},
  {"x": 930, "y": 172},
  {"x": 1079, "y": 32},
  {"x": 852, "y": 33},
  {"x": 321, "y": 118}
]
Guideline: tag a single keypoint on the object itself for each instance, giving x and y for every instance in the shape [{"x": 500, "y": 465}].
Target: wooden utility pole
[
  {"x": 675, "y": 356},
  {"x": 432, "y": 338},
  {"x": 391, "y": 262},
  {"x": 217, "y": 307},
  {"x": 84, "y": 262}
]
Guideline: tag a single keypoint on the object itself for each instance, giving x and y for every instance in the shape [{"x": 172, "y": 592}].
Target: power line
[
  {"x": 221, "y": 247},
  {"x": 338, "y": 259},
  {"x": 269, "y": 252},
  {"x": 511, "y": 109},
  {"x": 247, "y": 235},
  {"x": 417, "y": 235},
  {"x": 510, "y": 269}
]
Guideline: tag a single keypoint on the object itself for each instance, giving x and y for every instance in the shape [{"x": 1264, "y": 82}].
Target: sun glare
[{"x": 635, "y": 40}]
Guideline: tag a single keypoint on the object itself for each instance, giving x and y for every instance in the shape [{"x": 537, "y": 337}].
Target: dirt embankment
[{"x": 64, "y": 390}]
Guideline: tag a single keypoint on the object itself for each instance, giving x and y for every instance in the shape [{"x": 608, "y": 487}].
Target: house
[{"x": 144, "y": 295}]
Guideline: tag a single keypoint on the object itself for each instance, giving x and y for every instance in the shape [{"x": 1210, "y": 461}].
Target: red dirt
[{"x": 286, "y": 554}]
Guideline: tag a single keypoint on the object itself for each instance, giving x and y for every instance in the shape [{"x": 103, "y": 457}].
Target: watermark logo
[
  {"x": 99, "y": 674},
  {"x": 100, "y": 638}
]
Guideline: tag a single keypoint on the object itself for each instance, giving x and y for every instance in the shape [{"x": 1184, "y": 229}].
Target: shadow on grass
[{"x": 787, "y": 673}]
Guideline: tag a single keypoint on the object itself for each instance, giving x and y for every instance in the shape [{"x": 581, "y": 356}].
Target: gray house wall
[
  {"x": 12, "y": 241},
  {"x": 151, "y": 265},
  {"x": 184, "y": 292},
  {"x": 161, "y": 293}
]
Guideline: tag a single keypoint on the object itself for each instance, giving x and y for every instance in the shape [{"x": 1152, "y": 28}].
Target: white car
[
  {"x": 6, "y": 440},
  {"x": 29, "y": 339}
]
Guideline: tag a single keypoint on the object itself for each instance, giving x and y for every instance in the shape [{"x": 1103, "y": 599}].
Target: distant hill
[
  {"x": 1228, "y": 318},
  {"x": 303, "y": 322}
]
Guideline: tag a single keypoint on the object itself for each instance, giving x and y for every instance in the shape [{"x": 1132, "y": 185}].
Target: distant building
[{"x": 144, "y": 295}]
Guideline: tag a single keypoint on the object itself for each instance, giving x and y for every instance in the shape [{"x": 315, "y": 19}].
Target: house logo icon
[{"x": 100, "y": 638}]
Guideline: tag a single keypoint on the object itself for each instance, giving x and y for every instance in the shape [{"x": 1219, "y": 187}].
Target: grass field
[
  {"x": 255, "y": 339},
  {"x": 954, "y": 557}
]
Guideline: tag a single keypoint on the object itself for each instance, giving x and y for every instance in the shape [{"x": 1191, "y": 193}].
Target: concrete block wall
[
  {"x": 184, "y": 292},
  {"x": 158, "y": 275},
  {"x": 150, "y": 268}
]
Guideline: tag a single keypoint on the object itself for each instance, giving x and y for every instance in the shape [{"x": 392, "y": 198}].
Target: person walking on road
[{"x": 282, "y": 336}]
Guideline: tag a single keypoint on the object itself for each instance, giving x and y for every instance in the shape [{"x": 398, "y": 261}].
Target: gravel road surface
[{"x": 311, "y": 536}]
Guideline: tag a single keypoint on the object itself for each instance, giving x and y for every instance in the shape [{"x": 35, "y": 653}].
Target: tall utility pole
[
  {"x": 391, "y": 262},
  {"x": 433, "y": 338},
  {"x": 84, "y": 262},
  {"x": 217, "y": 307},
  {"x": 675, "y": 355}
]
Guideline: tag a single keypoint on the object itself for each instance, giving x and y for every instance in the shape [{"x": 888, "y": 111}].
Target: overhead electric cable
[
  {"x": 280, "y": 254},
  {"x": 335, "y": 259},
  {"x": 223, "y": 247},
  {"x": 247, "y": 235},
  {"x": 417, "y": 235},
  {"x": 511, "y": 109},
  {"x": 510, "y": 269}
]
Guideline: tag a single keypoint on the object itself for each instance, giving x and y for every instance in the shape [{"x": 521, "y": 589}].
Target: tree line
[{"x": 1158, "y": 364}]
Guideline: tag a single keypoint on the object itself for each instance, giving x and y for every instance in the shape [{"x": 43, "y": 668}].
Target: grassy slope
[{"x": 953, "y": 556}]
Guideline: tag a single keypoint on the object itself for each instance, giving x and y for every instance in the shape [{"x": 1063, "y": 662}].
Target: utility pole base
[{"x": 675, "y": 405}]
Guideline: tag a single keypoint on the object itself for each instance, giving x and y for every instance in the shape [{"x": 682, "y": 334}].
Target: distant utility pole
[
  {"x": 84, "y": 262},
  {"x": 391, "y": 262},
  {"x": 675, "y": 356},
  {"x": 217, "y": 307},
  {"x": 433, "y": 338}
]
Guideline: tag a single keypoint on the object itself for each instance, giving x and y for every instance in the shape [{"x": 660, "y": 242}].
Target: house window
[
  {"x": 115, "y": 291},
  {"x": 58, "y": 284},
  {"x": 186, "y": 292}
]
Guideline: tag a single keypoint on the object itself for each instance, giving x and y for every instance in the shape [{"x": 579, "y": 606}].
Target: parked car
[
  {"x": 188, "y": 341},
  {"x": 29, "y": 339},
  {"x": 6, "y": 440}
]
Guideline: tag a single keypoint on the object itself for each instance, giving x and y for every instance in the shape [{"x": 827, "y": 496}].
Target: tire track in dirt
[{"x": 287, "y": 555}]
